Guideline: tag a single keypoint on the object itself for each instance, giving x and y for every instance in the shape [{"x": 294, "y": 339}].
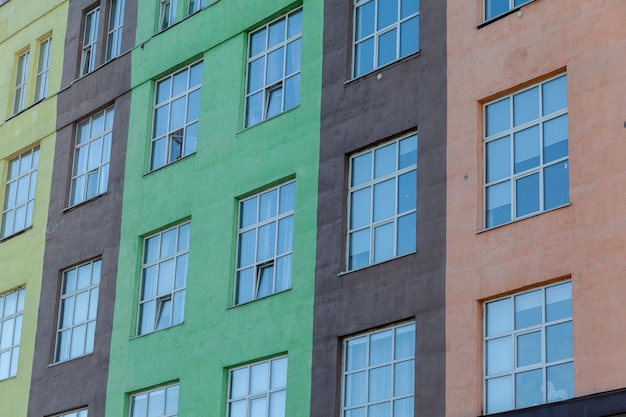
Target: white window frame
[
  {"x": 81, "y": 324},
  {"x": 170, "y": 402},
  {"x": 397, "y": 26},
  {"x": 116, "y": 25},
  {"x": 76, "y": 413},
  {"x": 513, "y": 177},
  {"x": 197, "y": 5},
  {"x": 21, "y": 76},
  {"x": 19, "y": 177},
  {"x": 512, "y": 6},
  {"x": 514, "y": 333},
  {"x": 155, "y": 303},
  {"x": 277, "y": 220},
  {"x": 10, "y": 331},
  {"x": 371, "y": 184},
  {"x": 392, "y": 398},
  {"x": 266, "y": 89},
  {"x": 43, "y": 69},
  {"x": 268, "y": 393},
  {"x": 182, "y": 136},
  {"x": 90, "y": 42},
  {"x": 167, "y": 14},
  {"x": 95, "y": 143}
]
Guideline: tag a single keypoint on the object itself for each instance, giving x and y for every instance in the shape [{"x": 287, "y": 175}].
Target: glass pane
[
  {"x": 499, "y": 204},
  {"x": 266, "y": 243},
  {"x": 528, "y": 349},
  {"x": 245, "y": 285},
  {"x": 104, "y": 179},
  {"x": 495, "y": 8},
  {"x": 383, "y": 242},
  {"x": 364, "y": 57},
  {"x": 171, "y": 400},
  {"x": 498, "y": 117},
  {"x": 292, "y": 92},
  {"x": 6, "y": 333},
  {"x": 160, "y": 121},
  {"x": 556, "y": 185},
  {"x": 408, "y": 152},
  {"x": 77, "y": 346},
  {"x": 559, "y": 342},
  {"x": 527, "y": 195},
  {"x": 355, "y": 389},
  {"x": 193, "y": 106},
  {"x": 259, "y": 377},
  {"x": 274, "y": 102},
  {"x": 364, "y": 20},
  {"x": 405, "y": 341},
  {"x": 498, "y": 159},
  {"x": 526, "y": 106},
  {"x": 179, "y": 83},
  {"x": 355, "y": 412},
  {"x": 528, "y": 311},
  {"x": 293, "y": 57},
  {"x": 408, "y": 7},
  {"x": 165, "y": 282},
  {"x": 560, "y": 382},
  {"x": 156, "y": 403},
  {"x": 17, "y": 331},
  {"x": 356, "y": 353},
  {"x": 266, "y": 281},
  {"x": 279, "y": 373},
  {"x": 361, "y": 169},
  {"x": 267, "y": 206},
  {"x": 559, "y": 301},
  {"x": 140, "y": 405},
  {"x": 384, "y": 200},
  {"x": 158, "y": 153},
  {"x": 409, "y": 36},
  {"x": 239, "y": 382},
  {"x": 387, "y": 13},
  {"x": 527, "y": 149},
  {"x": 404, "y": 378},
  {"x": 407, "y": 191},
  {"x": 168, "y": 243},
  {"x": 5, "y": 364},
  {"x": 499, "y": 317},
  {"x": 554, "y": 95},
  {"x": 183, "y": 237},
  {"x": 195, "y": 75},
  {"x": 258, "y": 407},
  {"x": 385, "y": 160},
  {"x": 181, "y": 271},
  {"x": 295, "y": 24},
  {"x": 146, "y": 317},
  {"x": 499, "y": 355},
  {"x": 178, "y": 307},
  {"x": 93, "y": 303},
  {"x": 275, "y": 61},
  {"x": 499, "y": 394},
  {"x": 359, "y": 248},
  {"x": 406, "y": 234},
  {"x": 403, "y": 407},
  {"x": 285, "y": 233},
  {"x": 256, "y": 74},
  {"x": 276, "y": 33},
  {"x": 148, "y": 286},
  {"x": 529, "y": 388},
  {"x": 379, "y": 410},
  {"x": 91, "y": 334},
  {"x": 164, "y": 313},
  {"x": 360, "y": 208},
  {"x": 163, "y": 90},
  {"x": 67, "y": 312},
  {"x": 248, "y": 212},
  {"x": 177, "y": 114},
  {"x": 380, "y": 347},
  {"x": 257, "y": 42},
  {"x": 247, "y": 242},
  {"x": 238, "y": 409},
  {"x": 555, "y": 139},
  {"x": 287, "y": 197},
  {"x": 81, "y": 307},
  {"x": 387, "y": 47},
  {"x": 283, "y": 273},
  {"x": 277, "y": 404}
]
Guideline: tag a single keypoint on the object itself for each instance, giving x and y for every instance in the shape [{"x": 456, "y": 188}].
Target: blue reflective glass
[
  {"x": 292, "y": 92},
  {"x": 499, "y": 204},
  {"x": 407, "y": 191},
  {"x": 409, "y": 36},
  {"x": 499, "y": 394},
  {"x": 554, "y": 95},
  {"x": 559, "y": 342},
  {"x": 406, "y": 234},
  {"x": 364, "y": 20},
  {"x": 360, "y": 208},
  {"x": 387, "y": 13},
  {"x": 556, "y": 185},
  {"x": 359, "y": 249},
  {"x": 408, "y": 152},
  {"x": 496, "y": 7},
  {"x": 560, "y": 382},
  {"x": 498, "y": 159},
  {"x": 529, "y": 388},
  {"x": 555, "y": 139},
  {"x": 527, "y": 149},
  {"x": 361, "y": 169},
  {"x": 384, "y": 200},
  {"x": 526, "y": 106},
  {"x": 528, "y": 349},
  {"x": 383, "y": 242},
  {"x": 387, "y": 47},
  {"x": 527, "y": 195},
  {"x": 364, "y": 57},
  {"x": 408, "y": 7},
  {"x": 295, "y": 24},
  {"x": 498, "y": 116}
]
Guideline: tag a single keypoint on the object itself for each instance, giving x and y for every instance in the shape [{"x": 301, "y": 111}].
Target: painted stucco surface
[
  {"x": 585, "y": 240},
  {"x": 229, "y": 162}
]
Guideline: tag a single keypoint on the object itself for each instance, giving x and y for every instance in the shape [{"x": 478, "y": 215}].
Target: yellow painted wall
[{"x": 23, "y": 24}]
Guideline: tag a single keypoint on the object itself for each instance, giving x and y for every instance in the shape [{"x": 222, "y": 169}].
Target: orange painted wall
[{"x": 585, "y": 240}]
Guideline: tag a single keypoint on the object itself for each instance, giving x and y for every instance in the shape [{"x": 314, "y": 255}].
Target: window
[
  {"x": 528, "y": 349},
  {"x": 379, "y": 373},
  {"x": 384, "y": 31},
  {"x": 88, "y": 60},
  {"x": 382, "y": 201},
  {"x": 43, "y": 68},
  {"x": 495, "y": 8},
  {"x": 167, "y": 14},
  {"x": 90, "y": 176},
  {"x": 19, "y": 197},
  {"x": 176, "y": 113},
  {"x": 259, "y": 389},
  {"x": 163, "y": 279},
  {"x": 196, "y": 5},
  {"x": 116, "y": 23},
  {"x": 11, "y": 309},
  {"x": 77, "y": 413},
  {"x": 274, "y": 68},
  {"x": 526, "y": 156},
  {"x": 77, "y": 311},
  {"x": 162, "y": 402},
  {"x": 20, "y": 82},
  {"x": 264, "y": 239}
]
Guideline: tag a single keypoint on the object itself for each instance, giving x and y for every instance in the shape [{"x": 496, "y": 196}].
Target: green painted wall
[
  {"x": 23, "y": 25},
  {"x": 229, "y": 162}
]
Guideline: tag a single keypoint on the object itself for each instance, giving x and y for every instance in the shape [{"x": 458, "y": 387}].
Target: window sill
[
  {"x": 530, "y": 216},
  {"x": 503, "y": 15},
  {"x": 84, "y": 203},
  {"x": 138, "y": 336},
  {"x": 257, "y": 299},
  {"x": 267, "y": 120},
  {"x": 169, "y": 164},
  {"x": 343, "y": 273},
  {"x": 20, "y": 232},
  {"x": 384, "y": 67},
  {"x": 51, "y": 365}
]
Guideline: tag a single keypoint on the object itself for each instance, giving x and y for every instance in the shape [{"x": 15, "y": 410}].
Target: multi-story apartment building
[
  {"x": 536, "y": 218},
  {"x": 31, "y": 53}
]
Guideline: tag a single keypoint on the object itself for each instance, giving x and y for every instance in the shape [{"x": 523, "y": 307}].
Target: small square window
[
  {"x": 90, "y": 37},
  {"x": 382, "y": 203},
  {"x": 43, "y": 68},
  {"x": 116, "y": 24},
  {"x": 90, "y": 176},
  {"x": 379, "y": 373},
  {"x": 176, "y": 115},
  {"x": 494, "y": 8},
  {"x": 78, "y": 310},
  {"x": 526, "y": 167},
  {"x": 528, "y": 349},
  {"x": 163, "y": 279},
  {"x": 167, "y": 14},
  {"x": 161, "y": 402},
  {"x": 273, "y": 75},
  {"x": 21, "y": 75},
  {"x": 264, "y": 239},
  {"x": 384, "y": 31},
  {"x": 19, "y": 197},
  {"x": 258, "y": 388},
  {"x": 11, "y": 310}
]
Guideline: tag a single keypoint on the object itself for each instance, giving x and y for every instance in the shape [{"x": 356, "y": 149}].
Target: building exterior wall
[
  {"x": 583, "y": 241},
  {"x": 22, "y": 26},
  {"x": 86, "y": 231},
  {"x": 405, "y": 96},
  {"x": 229, "y": 162}
]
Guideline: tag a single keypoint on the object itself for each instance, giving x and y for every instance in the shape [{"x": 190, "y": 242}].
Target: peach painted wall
[{"x": 585, "y": 240}]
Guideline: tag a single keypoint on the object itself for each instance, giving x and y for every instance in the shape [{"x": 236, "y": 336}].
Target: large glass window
[
  {"x": 528, "y": 349},
  {"x": 273, "y": 77},
  {"x": 43, "y": 68},
  {"x": 176, "y": 113},
  {"x": 161, "y": 402},
  {"x": 526, "y": 156},
  {"x": 259, "y": 389},
  {"x": 495, "y": 8},
  {"x": 163, "y": 279},
  {"x": 11, "y": 310},
  {"x": 264, "y": 239},
  {"x": 384, "y": 31},
  {"x": 90, "y": 37},
  {"x": 379, "y": 373},
  {"x": 116, "y": 24},
  {"x": 382, "y": 201},
  {"x": 78, "y": 310},
  {"x": 21, "y": 75},
  {"x": 19, "y": 197},
  {"x": 90, "y": 176}
]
